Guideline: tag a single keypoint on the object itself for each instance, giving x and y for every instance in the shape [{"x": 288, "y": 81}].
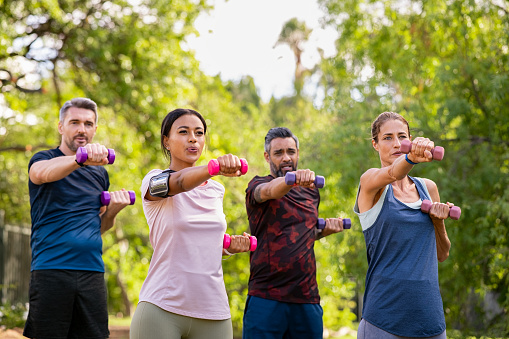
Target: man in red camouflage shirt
[{"x": 283, "y": 299}]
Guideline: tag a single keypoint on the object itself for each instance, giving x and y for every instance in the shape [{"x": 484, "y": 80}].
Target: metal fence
[{"x": 15, "y": 260}]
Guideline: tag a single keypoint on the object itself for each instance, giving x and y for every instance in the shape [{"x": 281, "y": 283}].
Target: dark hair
[
  {"x": 78, "y": 103},
  {"x": 170, "y": 119},
  {"x": 279, "y": 132},
  {"x": 383, "y": 118}
]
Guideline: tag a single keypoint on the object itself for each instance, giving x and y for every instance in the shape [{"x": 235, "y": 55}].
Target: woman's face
[
  {"x": 389, "y": 140},
  {"x": 185, "y": 141}
]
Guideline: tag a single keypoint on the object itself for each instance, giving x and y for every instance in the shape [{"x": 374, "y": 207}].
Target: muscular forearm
[
  {"x": 107, "y": 221},
  {"x": 442, "y": 240},
  {"x": 45, "y": 171},
  {"x": 276, "y": 189}
]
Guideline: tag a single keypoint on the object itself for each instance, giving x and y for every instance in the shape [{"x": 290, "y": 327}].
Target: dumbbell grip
[
  {"x": 454, "y": 212},
  {"x": 291, "y": 178},
  {"x": 437, "y": 152},
  {"x": 347, "y": 223},
  {"x": 253, "y": 242},
  {"x": 82, "y": 155},
  {"x": 106, "y": 198},
  {"x": 214, "y": 168}
]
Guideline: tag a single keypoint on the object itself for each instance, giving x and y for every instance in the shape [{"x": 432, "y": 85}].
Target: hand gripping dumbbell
[
  {"x": 214, "y": 167},
  {"x": 454, "y": 212},
  {"x": 82, "y": 155},
  {"x": 253, "y": 242},
  {"x": 290, "y": 179},
  {"x": 437, "y": 152},
  {"x": 106, "y": 198},
  {"x": 347, "y": 223}
]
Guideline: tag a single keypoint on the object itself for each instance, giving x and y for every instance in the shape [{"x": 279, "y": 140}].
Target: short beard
[
  {"x": 72, "y": 145},
  {"x": 279, "y": 172}
]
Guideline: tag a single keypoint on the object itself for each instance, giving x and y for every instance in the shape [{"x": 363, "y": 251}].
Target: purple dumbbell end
[
  {"x": 320, "y": 224},
  {"x": 290, "y": 178},
  {"x": 81, "y": 155},
  {"x": 319, "y": 181},
  {"x": 132, "y": 197},
  {"x": 105, "y": 198},
  {"x": 111, "y": 156},
  {"x": 347, "y": 223},
  {"x": 406, "y": 146}
]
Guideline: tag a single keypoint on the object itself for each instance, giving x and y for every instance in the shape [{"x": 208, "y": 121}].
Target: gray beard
[{"x": 279, "y": 172}]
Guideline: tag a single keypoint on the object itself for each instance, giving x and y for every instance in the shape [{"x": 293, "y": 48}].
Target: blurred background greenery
[{"x": 442, "y": 65}]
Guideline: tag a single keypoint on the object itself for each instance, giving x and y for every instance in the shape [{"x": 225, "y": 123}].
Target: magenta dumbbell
[
  {"x": 437, "y": 152},
  {"x": 106, "y": 198},
  {"x": 290, "y": 179},
  {"x": 454, "y": 212},
  {"x": 347, "y": 223},
  {"x": 253, "y": 242},
  {"x": 82, "y": 155},
  {"x": 214, "y": 168}
]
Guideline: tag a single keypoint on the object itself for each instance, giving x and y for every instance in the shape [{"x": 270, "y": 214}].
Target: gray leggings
[
  {"x": 150, "y": 321},
  {"x": 368, "y": 331}
]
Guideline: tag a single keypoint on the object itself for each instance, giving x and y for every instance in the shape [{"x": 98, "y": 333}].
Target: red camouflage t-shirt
[{"x": 283, "y": 266}]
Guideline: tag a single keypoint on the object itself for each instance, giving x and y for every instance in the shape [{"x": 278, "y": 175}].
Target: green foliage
[{"x": 13, "y": 315}]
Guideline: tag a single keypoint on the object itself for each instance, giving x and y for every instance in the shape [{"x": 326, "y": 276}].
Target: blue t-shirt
[{"x": 66, "y": 227}]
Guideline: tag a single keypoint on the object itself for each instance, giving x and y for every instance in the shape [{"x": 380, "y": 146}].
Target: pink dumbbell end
[
  {"x": 213, "y": 166},
  {"x": 454, "y": 212},
  {"x": 437, "y": 152}
]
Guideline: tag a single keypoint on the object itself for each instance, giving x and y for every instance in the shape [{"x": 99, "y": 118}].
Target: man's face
[
  {"x": 78, "y": 128},
  {"x": 283, "y": 156}
]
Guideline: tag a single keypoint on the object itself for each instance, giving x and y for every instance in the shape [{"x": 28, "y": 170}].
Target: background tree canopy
[{"x": 443, "y": 65}]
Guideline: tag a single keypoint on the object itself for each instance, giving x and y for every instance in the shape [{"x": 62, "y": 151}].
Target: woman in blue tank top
[{"x": 404, "y": 245}]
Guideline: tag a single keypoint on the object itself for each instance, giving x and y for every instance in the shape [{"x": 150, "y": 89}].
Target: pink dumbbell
[
  {"x": 227, "y": 240},
  {"x": 454, "y": 212},
  {"x": 82, "y": 156},
  {"x": 437, "y": 152},
  {"x": 106, "y": 198},
  {"x": 213, "y": 166},
  {"x": 347, "y": 223},
  {"x": 290, "y": 179}
]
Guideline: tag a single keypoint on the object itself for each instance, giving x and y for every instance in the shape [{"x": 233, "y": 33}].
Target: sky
[{"x": 238, "y": 37}]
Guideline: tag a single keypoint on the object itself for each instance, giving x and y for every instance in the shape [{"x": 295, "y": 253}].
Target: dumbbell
[
  {"x": 437, "y": 152},
  {"x": 106, "y": 198},
  {"x": 252, "y": 240},
  {"x": 290, "y": 179},
  {"x": 454, "y": 212},
  {"x": 82, "y": 155},
  {"x": 214, "y": 167},
  {"x": 347, "y": 223}
]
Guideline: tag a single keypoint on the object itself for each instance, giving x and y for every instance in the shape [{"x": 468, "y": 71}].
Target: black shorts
[{"x": 67, "y": 304}]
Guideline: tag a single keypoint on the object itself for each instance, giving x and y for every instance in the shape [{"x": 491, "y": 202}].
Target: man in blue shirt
[{"x": 67, "y": 288}]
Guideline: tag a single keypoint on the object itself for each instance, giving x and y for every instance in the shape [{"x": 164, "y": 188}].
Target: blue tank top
[{"x": 402, "y": 293}]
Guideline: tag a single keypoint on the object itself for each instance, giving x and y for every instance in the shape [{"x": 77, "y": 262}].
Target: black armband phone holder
[{"x": 159, "y": 185}]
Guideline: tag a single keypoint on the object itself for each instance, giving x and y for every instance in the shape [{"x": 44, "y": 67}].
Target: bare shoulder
[{"x": 432, "y": 189}]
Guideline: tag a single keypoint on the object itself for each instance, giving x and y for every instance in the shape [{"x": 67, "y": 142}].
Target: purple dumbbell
[
  {"x": 437, "y": 152},
  {"x": 290, "y": 179},
  {"x": 454, "y": 212},
  {"x": 82, "y": 155},
  {"x": 106, "y": 198},
  {"x": 214, "y": 169},
  {"x": 347, "y": 223}
]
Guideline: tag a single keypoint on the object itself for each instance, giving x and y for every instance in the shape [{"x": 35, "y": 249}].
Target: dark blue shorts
[
  {"x": 67, "y": 304},
  {"x": 270, "y": 319}
]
